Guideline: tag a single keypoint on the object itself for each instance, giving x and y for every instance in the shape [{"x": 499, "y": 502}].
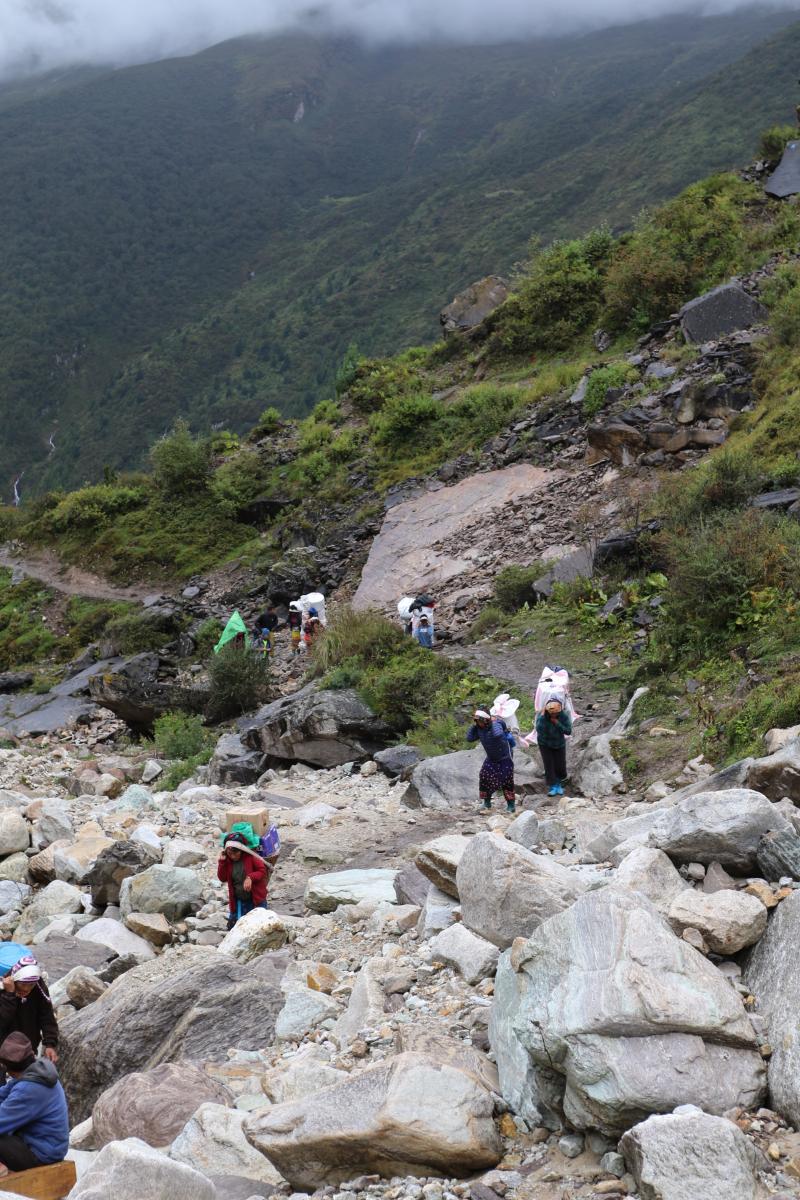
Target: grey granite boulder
[
  {"x": 471, "y": 307},
  {"x": 507, "y": 892},
  {"x": 785, "y": 179},
  {"x": 690, "y": 1155},
  {"x": 439, "y": 859},
  {"x": 633, "y": 1020},
  {"x": 318, "y": 727},
  {"x": 772, "y": 976},
  {"x": 724, "y": 827}
]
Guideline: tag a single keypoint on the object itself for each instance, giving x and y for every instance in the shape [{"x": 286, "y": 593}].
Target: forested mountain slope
[{"x": 204, "y": 236}]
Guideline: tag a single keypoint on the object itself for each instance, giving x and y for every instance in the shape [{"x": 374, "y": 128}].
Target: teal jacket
[{"x": 553, "y": 733}]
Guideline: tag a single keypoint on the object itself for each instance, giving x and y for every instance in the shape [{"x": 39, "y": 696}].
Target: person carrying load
[
  {"x": 246, "y": 873},
  {"x": 497, "y": 772},
  {"x": 234, "y": 632}
]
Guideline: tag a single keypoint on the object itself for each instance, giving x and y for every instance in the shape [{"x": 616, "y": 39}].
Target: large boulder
[
  {"x": 132, "y": 1170},
  {"x": 651, "y": 873},
  {"x": 255, "y": 933},
  {"x": 785, "y": 179},
  {"x": 772, "y": 976},
  {"x": 438, "y": 860},
  {"x": 318, "y": 727},
  {"x": 304, "y": 1009},
  {"x": 724, "y": 827},
  {"x": 15, "y": 833},
  {"x": 135, "y": 692},
  {"x": 725, "y": 309},
  {"x": 324, "y": 893},
  {"x": 471, "y": 307},
  {"x": 779, "y": 855},
  {"x": 506, "y": 891},
  {"x": 235, "y": 764},
  {"x": 690, "y": 1155},
  {"x": 407, "y": 1115},
  {"x": 171, "y": 1008},
  {"x": 451, "y": 780},
  {"x": 113, "y": 865},
  {"x": 473, "y": 957},
  {"x": 173, "y": 891},
  {"x": 778, "y": 774},
  {"x": 52, "y": 901},
  {"x": 154, "y": 1105},
  {"x": 632, "y": 1019},
  {"x": 213, "y": 1142},
  {"x": 61, "y": 954},
  {"x": 105, "y": 931},
  {"x": 729, "y": 921}
]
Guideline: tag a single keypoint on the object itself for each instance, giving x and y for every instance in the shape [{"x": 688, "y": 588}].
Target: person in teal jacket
[
  {"x": 34, "y": 1123},
  {"x": 553, "y": 726}
]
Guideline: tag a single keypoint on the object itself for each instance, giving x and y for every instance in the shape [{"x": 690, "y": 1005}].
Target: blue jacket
[
  {"x": 553, "y": 733},
  {"x": 494, "y": 740},
  {"x": 424, "y": 637},
  {"x": 35, "y": 1108}
]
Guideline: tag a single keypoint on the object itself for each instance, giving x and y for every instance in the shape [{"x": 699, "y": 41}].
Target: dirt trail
[
  {"x": 522, "y": 667},
  {"x": 47, "y": 568}
]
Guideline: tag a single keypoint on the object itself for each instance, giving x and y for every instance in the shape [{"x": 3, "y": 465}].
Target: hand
[
  {"x": 248, "y": 884},
  {"x": 8, "y": 984},
  {"x": 51, "y": 1054}
]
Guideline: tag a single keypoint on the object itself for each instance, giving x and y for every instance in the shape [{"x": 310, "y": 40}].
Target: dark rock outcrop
[
  {"x": 235, "y": 763},
  {"x": 725, "y": 309},
  {"x": 118, "y": 862},
  {"x": 137, "y": 691},
  {"x": 471, "y": 307}
]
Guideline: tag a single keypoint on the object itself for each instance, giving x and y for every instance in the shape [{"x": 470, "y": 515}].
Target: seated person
[{"x": 34, "y": 1124}]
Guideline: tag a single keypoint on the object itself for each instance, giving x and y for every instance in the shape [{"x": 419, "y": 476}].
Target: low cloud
[{"x": 38, "y": 35}]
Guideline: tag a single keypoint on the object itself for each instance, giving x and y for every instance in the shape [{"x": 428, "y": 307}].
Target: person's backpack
[{"x": 270, "y": 845}]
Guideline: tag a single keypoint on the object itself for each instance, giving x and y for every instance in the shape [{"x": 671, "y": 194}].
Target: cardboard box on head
[{"x": 256, "y": 815}]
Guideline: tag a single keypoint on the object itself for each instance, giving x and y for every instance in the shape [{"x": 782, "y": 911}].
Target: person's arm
[
  {"x": 47, "y": 1020},
  {"x": 565, "y": 721},
  {"x": 21, "y": 1104},
  {"x": 472, "y": 733},
  {"x": 256, "y": 869},
  {"x": 223, "y": 868},
  {"x": 541, "y": 721}
]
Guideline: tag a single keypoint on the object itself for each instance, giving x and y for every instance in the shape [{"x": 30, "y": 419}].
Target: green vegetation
[
  {"x": 240, "y": 681},
  {"x": 180, "y": 735},
  {"x": 423, "y": 695},
  {"x": 161, "y": 288},
  {"x": 513, "y": 586},
  {"x": 616, "y": 375},
  {"x": 773, "y": 141}
]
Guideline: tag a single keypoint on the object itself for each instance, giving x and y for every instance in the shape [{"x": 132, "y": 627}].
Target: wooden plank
[{"x": 41, "y": 1183}]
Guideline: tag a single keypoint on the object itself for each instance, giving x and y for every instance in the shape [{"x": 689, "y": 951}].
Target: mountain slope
[{"x": 205, "y": 236}]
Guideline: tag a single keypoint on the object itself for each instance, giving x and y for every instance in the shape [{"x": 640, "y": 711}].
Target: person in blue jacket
[
  {"x": 34, "y": 1123},
  {"x": 424, "y": 633},
  {"x": 553, "y": 727},
  {"x": 497, "y": 772}
]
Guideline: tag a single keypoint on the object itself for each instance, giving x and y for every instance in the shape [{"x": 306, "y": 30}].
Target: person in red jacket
[{"x": 246, "y": 875}]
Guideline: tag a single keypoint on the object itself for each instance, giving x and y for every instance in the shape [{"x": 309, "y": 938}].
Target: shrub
[
  {"x": 375, "y": 381},
  {"x": 239, "y": 680},
  {"x": 725, "y": 481},
  {"x": 183, "y": 769},
  {"x": 314, "y": 435},
  {"x": 314, "y": 468},
  {"x": 328, "y": 411},
  {"x": 688, "y": 245},
  {"x": 616, "y": 375},
  {"x": 783, "y": 297},
  {"x": 139, "y": 630},
  {"x": 348, "y": 675},
  {"x": 490, "y": 616},
  {"x": 269, "y": 422},
  {"x": 181, "y": 462},
  {"x": 346, "y": 373},
  {"x": 513, "y": 586},
  {"x": 558, "y": 297},
  {"x": 405, "y": 418},
  {"x": 482, "y": 411},
  {"x": 207, "y": 635},
  {"x": 355, "y": 637},
  {"x": 773, "y": 141},
  {"x": 88, "y": 618},
  {"x": 729, "y": 574},
  {"x": 236, "y": 482},
  {"x": 93, "y": 506},
  {"x": 180, "y": 735},
  {"x": 345, "y": 447},
  {"x": 406, "y": 685}
]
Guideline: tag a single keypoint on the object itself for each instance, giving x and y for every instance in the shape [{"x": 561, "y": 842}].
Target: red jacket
[{"x": 255, "y": 869}]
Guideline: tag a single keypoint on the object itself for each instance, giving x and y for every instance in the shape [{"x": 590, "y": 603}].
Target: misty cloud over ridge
[{"x": 45, "y": 34}]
